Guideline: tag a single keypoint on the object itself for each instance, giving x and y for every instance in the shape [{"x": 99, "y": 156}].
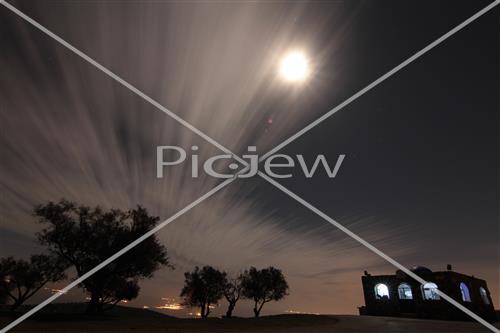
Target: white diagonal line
[
  {"x": 347, "y": 102},
  {"x": 381, "y": 79},
  {"x": 374, "y": 249},
  {"x": 160, "y": 107},
  {"x": 118, "y": 254},
  {"x": 118, "y": 79},
  {"x": 215, "y": 143}
]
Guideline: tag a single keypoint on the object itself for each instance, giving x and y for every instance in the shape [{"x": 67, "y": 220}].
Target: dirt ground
[{"x": 283, "y": 323}]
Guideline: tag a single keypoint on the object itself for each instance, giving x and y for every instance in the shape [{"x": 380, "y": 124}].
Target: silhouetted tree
[
  {"x": 262, "y": 286},
  {"x": 20, "y": 279},
  {"x": 203, "y": 288},
  {"x": 117, "y": 290},
  {"x": 85, "y": 237},
  {"x": 232, "y": 293}
]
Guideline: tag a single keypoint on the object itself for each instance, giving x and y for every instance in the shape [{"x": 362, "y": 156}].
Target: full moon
[{"x": 294, "y": 66}]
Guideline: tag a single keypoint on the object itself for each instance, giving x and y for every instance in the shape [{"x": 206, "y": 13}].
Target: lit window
[
  {"x": 404, "y": 291},
  {"x": 465, "y": 292},
  {"x": 429, "y": 291},
  {"x": 484, "y": 295},
  {"x": 381, "y": 291}
]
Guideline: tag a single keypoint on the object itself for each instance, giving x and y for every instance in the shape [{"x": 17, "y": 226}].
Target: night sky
[{"x": 420, "y": 177}]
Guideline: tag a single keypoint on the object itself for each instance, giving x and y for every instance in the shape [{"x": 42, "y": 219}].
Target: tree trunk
[
  {"x": 257, "y": 308},
  {"x": 207, "y": 310},
  {"x": 15, "y": 305},
  {"x": 230, "y": 308},
  {"x": 202, "y": 311}
]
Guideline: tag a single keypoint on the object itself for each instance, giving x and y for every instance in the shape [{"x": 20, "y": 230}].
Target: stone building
[{"x": 400, "y": 295}]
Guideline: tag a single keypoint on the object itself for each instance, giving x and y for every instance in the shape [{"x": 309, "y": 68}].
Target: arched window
[
  {"x": 484, "y": 295},
  {"x": 381, "y": 291},
  {"x": 465, "y": 292},
  {"x": 404, "y": 291},
  {"x": 429, "y": 291}
]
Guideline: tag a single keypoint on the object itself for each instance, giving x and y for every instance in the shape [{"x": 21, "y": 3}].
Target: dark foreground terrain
[{"x": 143, "y": 321}]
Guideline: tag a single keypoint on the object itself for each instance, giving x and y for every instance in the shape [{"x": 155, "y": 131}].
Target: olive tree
[
  {"x": 84, "y": 237},
  {"x": 263, "y": 286},
  {"x": 203, "y": 288},
  {"x": 21, "y": 279},
  {"x": 232, "y": 293}
]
